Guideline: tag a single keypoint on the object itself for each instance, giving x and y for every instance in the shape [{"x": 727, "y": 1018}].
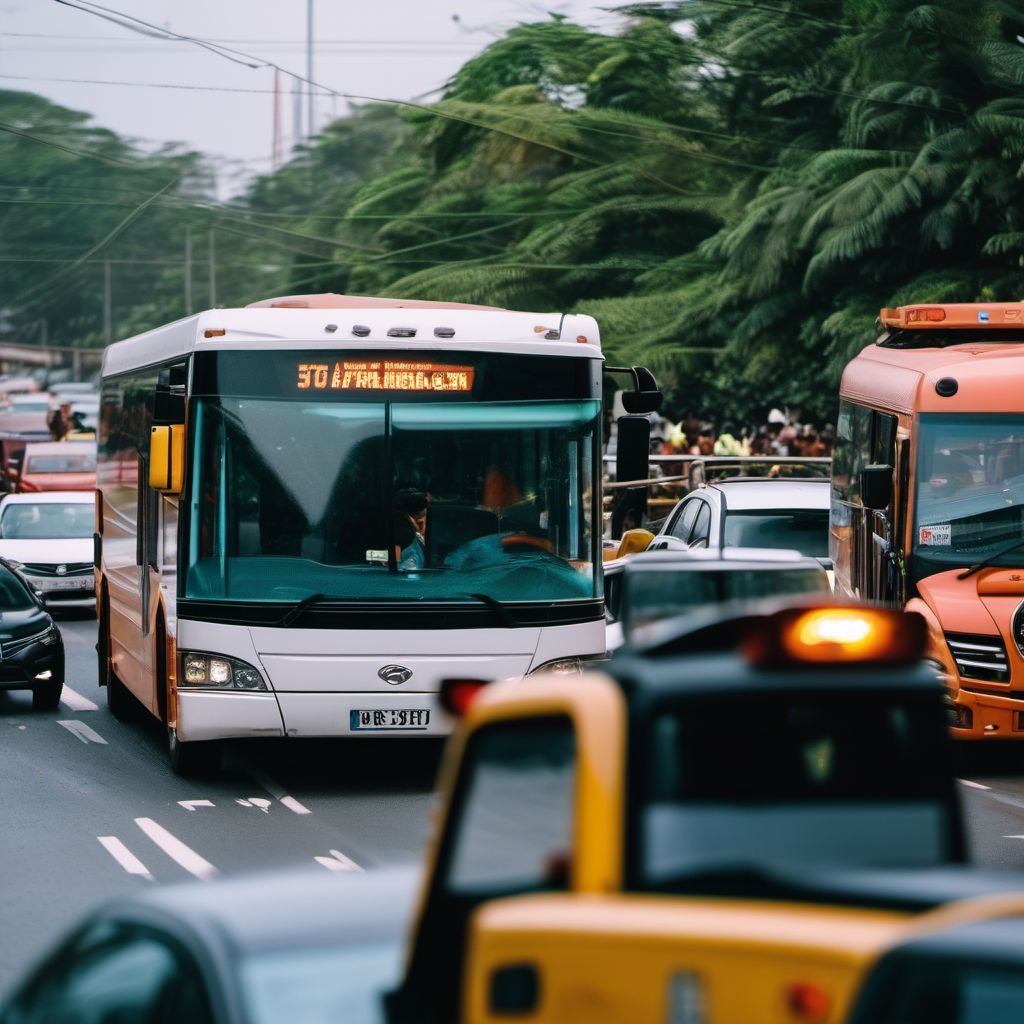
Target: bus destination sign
[{"x": 383, "y": 375}]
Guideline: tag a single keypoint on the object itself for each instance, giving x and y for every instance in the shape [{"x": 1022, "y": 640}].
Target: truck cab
[{"x": 734, "y": 757}]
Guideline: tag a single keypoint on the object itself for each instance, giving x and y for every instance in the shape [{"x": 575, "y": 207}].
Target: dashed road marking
[
  {"x": 278, "y": 793},
  {"x": 124, "y": 856},
  {"x": 191, "y": 805},
  {"x": 177, "y": 850},
  {"x": 337, "y": 862},
  {"x": 973, "y": 785},
  {"x": 75, "y": 701},
  {"x": 81, "y": 730}
]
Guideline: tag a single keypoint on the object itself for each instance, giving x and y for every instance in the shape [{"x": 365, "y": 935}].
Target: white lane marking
[
  {"x": 973, "y": 785},
  {"x": 82, "y": 731},
  {"x": 75, "y": 701},
  {"x": 337, "y": 862},
  {"x": 243, "y": 803},
  {"x": 278, "y": 793},
  {"x": 191, "y": 805},
  {"x": 1013, "y": 837},
  {"x": 177, "y": 850},
  {"x": 124, "y": 856}
]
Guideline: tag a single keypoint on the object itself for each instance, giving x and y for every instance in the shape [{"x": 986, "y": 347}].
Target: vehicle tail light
[
  {"x": 26, "y": 486},
  {"x": 808, "y": 1002},
  {"x": 457, "y": 695}
]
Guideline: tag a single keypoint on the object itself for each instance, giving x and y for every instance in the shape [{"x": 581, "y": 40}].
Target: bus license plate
[{"x": 405, "y": 719}]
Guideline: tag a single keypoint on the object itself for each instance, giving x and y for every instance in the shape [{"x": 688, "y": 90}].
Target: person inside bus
[{"x": 411, "y": 527}]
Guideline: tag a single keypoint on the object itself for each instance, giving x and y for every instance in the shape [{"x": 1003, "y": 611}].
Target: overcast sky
[{"x": 383, "y": 48}]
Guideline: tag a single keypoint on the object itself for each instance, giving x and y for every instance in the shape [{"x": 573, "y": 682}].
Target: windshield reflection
[{"x": 970, "y": 487}]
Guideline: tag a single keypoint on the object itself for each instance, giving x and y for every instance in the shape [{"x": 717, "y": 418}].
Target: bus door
[{"x": 864, "y": 542}]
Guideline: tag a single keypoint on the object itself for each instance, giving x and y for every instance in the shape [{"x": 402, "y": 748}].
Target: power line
[
  {"x": 262, "y": 42},
  {"x": 88, "y": 254}
]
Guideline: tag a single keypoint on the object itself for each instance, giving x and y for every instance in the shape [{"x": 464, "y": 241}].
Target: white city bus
[{"x": 261, "y": 567}]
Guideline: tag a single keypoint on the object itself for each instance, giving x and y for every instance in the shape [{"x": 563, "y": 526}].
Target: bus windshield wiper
[
  {"x": 1018, "y": 543},
  {"x": 307, "y": 602},
  {"x": 497, "y": 607}
]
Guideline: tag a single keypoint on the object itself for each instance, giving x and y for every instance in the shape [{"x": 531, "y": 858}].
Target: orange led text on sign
[{"x": 383, "y": 375}]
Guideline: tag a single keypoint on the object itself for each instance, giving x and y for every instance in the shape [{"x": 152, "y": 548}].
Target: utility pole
[
  {"x": 212, "y": 256},
  {"x": 275, "y": 143},
  {"x": 188, "y": 269},
  {"x": 309, "y": 65},
  {"x": 108, "y": 305}
]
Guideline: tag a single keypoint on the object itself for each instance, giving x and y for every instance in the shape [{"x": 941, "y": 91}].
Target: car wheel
[
  {"x": 193, "y": 758},
  {"x": 46, "y": 695}
]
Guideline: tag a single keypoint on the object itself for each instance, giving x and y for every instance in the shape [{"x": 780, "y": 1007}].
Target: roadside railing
[{"x": 665, "y": 489}]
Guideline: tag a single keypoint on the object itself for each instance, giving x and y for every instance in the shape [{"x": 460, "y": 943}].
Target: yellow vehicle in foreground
[
  {"x": 610, "y": 960},
  {"x": 776, "y": 761}
]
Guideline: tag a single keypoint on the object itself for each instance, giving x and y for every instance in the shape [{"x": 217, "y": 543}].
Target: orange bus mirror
[
  {"x": 167, "y": 458},
  {"x": 876, "y": 486}
]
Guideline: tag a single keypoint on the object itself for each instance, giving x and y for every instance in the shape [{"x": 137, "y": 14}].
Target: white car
[{"x": 49, "y": 537}]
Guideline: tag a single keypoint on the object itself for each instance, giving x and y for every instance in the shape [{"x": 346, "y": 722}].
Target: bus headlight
[
  {"x": 218, "y": 672},
  {"x": 574, "y": 666}
]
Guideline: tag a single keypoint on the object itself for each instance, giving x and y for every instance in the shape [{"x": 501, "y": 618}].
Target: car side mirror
[{"x": 876, "y": 486}]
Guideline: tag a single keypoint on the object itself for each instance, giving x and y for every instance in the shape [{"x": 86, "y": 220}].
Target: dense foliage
[{"x": 733, "y": 189}]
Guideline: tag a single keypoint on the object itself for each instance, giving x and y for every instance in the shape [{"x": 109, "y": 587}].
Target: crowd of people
[{"x": 781, "y": 434}]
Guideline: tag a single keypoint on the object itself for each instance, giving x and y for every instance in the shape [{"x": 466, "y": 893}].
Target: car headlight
[{"x": 217, "y": 672}]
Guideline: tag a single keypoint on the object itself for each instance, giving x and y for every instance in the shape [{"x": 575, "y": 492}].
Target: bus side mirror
[
  {"x": 876, "y": 486},
  {"x": 646, "y": 397},
  {"x": 167, "y": 458}
]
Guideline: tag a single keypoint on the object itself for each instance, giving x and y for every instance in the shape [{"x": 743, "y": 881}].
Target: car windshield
[
  {"x": 941, "y": 992},
  {"x": 652, "y": 594},
  {"x": 72, "y": 462},
  {"x": 46, "y": 520},
  {"x": 970, "y": 487},
  {"x": 803, "y": 530},
  {"x": 392, "y": 501},
  {"x": 323, "y": 985},
  {"x": 14, "y": 595},
  {"x": 819, "y": 781}
]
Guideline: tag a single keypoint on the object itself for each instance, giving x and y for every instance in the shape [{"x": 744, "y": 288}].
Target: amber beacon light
[{"x": 836, "y": 635}]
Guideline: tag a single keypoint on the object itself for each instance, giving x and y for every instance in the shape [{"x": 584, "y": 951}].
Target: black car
[
  {"x": 284, "y": 947},
  {"x": 31, "y": 648},
  {"x": 972, "y": 973}
]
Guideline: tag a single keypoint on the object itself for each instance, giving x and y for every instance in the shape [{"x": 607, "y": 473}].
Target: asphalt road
[{"x": 91, "y": 809}]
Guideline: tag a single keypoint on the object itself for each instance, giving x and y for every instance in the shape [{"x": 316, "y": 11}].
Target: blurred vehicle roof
[
  {"x": 49, "y": 498},
  {"x": 744, "y": 494},
  {"x": 285, "y": 909},
  {"x": 721, "y": 558},
  {"x": 72, "y": 447}
]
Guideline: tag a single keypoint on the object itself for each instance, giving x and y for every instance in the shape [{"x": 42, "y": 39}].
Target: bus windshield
[
  {"x": 970, "y": 487},
  {"x": 407, "y": 501}
]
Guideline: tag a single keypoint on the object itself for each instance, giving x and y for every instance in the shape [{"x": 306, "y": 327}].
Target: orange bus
[{"x": 928, "y": 495}]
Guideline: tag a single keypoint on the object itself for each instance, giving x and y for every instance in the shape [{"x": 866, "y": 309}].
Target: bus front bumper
[
  {"x": 988, "y": 716},
  {"x": 209, "y": 715}
]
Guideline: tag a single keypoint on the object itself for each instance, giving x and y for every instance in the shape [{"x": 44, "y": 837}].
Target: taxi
[{"x": 769, "y": 759}]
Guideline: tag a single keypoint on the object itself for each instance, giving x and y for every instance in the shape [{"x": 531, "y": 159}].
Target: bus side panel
[{"x": 124, "y": 440}]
